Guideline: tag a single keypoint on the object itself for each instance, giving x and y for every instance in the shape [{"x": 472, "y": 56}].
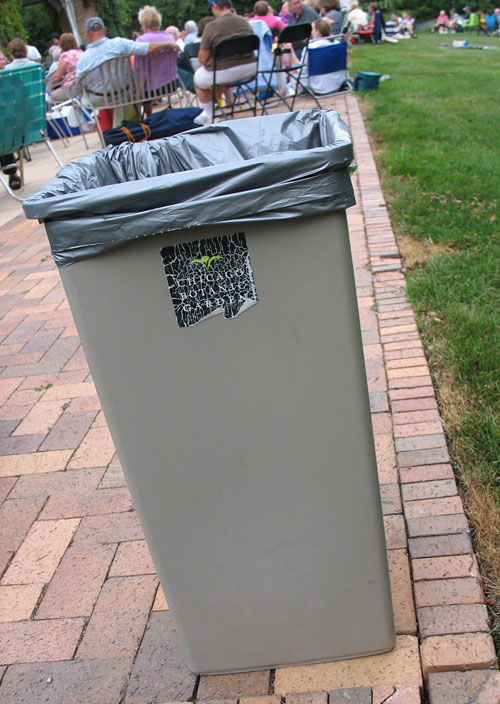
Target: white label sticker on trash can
[{"x": 209, "y": 277}]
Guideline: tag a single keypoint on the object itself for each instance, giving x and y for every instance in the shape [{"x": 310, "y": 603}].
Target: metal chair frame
[
  {"x": 64, "y": 133},
  {"x": 22, "y": 115},
  {"x": 186, "y": 69},
  {"x": 191, "y": 51},
  {"x": 232, "y": 47},
  {"x": 124, "y": 84},
  {"x": 288, "y": 35}
]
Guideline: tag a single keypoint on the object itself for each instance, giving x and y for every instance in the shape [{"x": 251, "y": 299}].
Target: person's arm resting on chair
[{"x": 162, "y": 46}]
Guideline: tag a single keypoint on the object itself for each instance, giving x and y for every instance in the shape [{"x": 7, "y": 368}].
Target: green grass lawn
[{"x": 435, "y": 130}]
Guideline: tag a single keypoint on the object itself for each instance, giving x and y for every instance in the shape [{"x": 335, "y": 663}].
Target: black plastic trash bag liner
[
  {"x": 160, "y": 124},
  {"x": 256, "y": 169}
]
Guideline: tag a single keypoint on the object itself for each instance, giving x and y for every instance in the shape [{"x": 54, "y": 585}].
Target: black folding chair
[
  {"x": 233, "y": 47},
  {"x": 288, "y": 35},
  {"x": 191, "y": 52}
]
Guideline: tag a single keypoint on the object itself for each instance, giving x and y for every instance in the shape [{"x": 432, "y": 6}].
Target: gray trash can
[{"x": 211, "y": 282}]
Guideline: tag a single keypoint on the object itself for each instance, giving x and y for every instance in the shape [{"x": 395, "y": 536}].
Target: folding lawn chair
[
  {"x": 233, "y": 47},
  {"x": 365, "y": 36},
  {"x": 288, "y": 35},
  {"x": 22, "y": 115},
  {"x": 68, "y": 119},
  {"x": 261, "y": 29},
  {"x": 471, "y": 23},
  {"x": 328, "y": 64},
  {"x": 191, "y": 53}
]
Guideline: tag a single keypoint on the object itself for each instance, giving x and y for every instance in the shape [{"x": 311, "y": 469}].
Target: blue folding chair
[
  {"x": 330, "y": 62},
  {"x": 22, "y": 114}
]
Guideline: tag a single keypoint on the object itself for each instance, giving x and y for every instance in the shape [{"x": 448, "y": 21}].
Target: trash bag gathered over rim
[{"x": 255, "y": 169}]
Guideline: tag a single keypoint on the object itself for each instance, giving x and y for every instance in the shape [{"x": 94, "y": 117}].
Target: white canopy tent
[{"x": 70, "y": 12}]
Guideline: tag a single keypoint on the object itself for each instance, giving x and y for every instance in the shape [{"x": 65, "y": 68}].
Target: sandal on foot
[{"x": 14, "y": 182}]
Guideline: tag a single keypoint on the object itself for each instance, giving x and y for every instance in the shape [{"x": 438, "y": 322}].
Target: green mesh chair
[
  {"x": 22, "y": 114},
  {"x": 472, "y": 23}
]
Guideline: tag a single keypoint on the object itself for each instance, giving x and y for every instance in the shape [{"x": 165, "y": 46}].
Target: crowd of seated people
[
  {"x": 226, "y": 24},
  {"x": 69, "y": 68},
  {"x": 72, "y": 68},
  {"x": 487, "y": 22},
  {"x": 445, "y": 23},
  {"x": 351, "y": 17},
  {"x": 372, "y": 29},
  {"x": 400, "y": 26},
  {"x": 99, "y": 50}
]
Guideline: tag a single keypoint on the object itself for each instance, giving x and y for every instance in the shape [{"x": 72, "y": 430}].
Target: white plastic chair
[{"x": 151, "y": 77}]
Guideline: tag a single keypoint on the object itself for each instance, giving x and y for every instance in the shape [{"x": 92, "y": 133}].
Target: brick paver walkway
[{"x": 82, "y": 617}]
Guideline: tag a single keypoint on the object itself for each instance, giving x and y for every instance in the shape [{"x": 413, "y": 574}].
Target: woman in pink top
[
  {"x": 262, "y": 12},
  {"x": 441, "y": 22},
  {"x": 64, "y": 76}
]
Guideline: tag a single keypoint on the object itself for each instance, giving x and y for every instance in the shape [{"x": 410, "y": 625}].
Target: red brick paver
[{"x": 81, "y": 615}]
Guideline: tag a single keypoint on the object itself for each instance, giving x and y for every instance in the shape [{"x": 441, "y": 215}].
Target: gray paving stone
[
  {"x": 307, "y": 698},
  {"x": 440, "y": 545},
  {"x": 378, "y": 402},
  {"x": 7, "y": 427},
  {"x": 391, "y": 499},
  {"x": 67, "y": 682},
  {"x": 357, "y": 695},
  {"x": 239, "y": 684},
  {"x": 475, "y": 687},
  {"x": 6, "y": 485},
  {"x": 160, "y": 673}
]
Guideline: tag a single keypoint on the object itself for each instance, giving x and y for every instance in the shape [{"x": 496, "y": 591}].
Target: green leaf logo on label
[
  {"x": 205, "y": 261},
  {"x": 202, "y": 287}
]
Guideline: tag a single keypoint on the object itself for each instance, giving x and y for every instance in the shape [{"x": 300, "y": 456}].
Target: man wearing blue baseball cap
[
  {"x": 100, "y": 49},
  {"x": 225, "y": 25}
]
